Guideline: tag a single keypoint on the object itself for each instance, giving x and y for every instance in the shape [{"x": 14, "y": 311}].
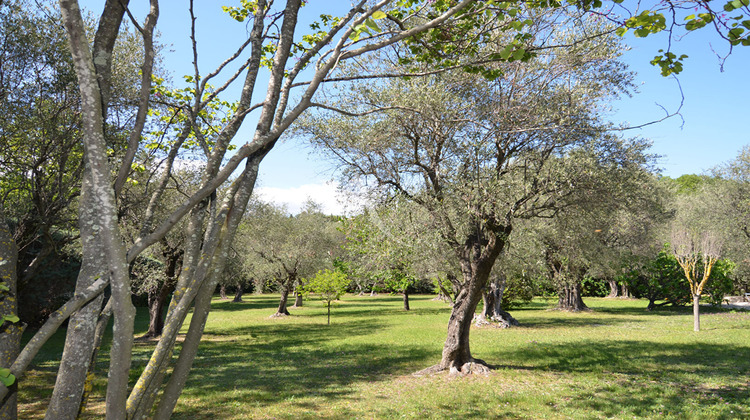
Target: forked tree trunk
[
  {"x": 625, "y": 293},
  {"x": 238, "y": 295},
  {"x": 570, "y": 297},
  {"x": 406, "y": 300},
  {"x": 10, "y": 333},
  {"x": 696, "y": 313},
  {"x": 613, "y": 288}
]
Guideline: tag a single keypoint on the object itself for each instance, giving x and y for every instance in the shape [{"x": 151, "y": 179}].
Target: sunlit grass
[{"x": 616, "y": 361}]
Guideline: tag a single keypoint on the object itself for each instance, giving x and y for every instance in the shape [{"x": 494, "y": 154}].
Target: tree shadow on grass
[
  {"x": 281, "y": 362},
  {"x": 646, "y": 378}
]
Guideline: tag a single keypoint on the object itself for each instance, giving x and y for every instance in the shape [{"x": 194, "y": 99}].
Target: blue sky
[{"x": 711, "y": 131}]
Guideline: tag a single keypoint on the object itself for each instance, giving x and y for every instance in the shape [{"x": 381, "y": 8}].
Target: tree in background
[
  {"x": 329, "y": 285},
  {"x": 697, "y": 253},
  {"x": 287, "y": 249},
  {"x": 732, "y": 192}
]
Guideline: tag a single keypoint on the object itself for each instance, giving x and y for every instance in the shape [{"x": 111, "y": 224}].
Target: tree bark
[
  {"x": 156, "y": 304},
  {"x": 406, "y": 300},
  {"x": 297, "y": 300},
  {"x": 238, "y": 295},
  {"x": 625, "y": 293},
  {"x": 476, "y": 256},
  {"x": 696, "y": 313},
  {"x": 493, "y": 311},
  {"x": 235, "y": 209},
  {"x": 613, "y": 288},
  {"x": 223, "y": 292},
  {"x": 569, "y": 294},
  {"x": 10, "y": 332},
  {"x": 282, "y": 310}
]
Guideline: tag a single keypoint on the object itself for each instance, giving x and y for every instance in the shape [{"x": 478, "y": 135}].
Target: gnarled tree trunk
[
  {"x": 493, "y": 305},
  {"x": 476, "y": 256},
  {"x": 569, "y": 294},
  {"x": 238, "y": 295},
  {"x": 625, "y": 293},
  {"x": 613, "y": 288}
]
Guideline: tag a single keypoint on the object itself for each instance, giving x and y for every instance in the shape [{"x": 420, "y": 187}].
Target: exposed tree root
[
  {"x": 503, "y": 320},
  {"x": 279, "y": 315},
  {"x": 475, "y": 367}
]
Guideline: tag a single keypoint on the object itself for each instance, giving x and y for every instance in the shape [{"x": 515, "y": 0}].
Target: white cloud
[{"x": 327, "y": 195}]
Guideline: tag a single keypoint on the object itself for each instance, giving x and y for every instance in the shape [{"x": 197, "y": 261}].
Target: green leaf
[
  {"x": 518, "y": 54},
  {"x": 621, "y": 31},
  {"x": 11, "y": 318},
  {"x": 372, "y": 25},
  {"x": 641, "y": 33},
  {"x": 378, "y": 15},
  {"x": 4, "y": 287},
  {"x": 505, "y": 53},
  {"x": 6, "y": 377}
]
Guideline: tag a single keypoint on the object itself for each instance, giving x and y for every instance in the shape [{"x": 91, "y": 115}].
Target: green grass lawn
[{"x": 616, "y": 361}]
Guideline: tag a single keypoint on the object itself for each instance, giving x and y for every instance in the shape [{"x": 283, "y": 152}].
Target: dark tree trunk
[
  {"x": 613, "y": 288},
  {"x": 406, "y": 300},
  {"x": 223, "y": 292},
  {"x": 157, "y": 301},
  {"x": 282, "y": 311},
  {"x": 493, "y": 311},
  {"x": 297, "y": 300},
  {"x": 238, "y": 295},
  {"x": 156, "y": 304},
  {"x": 570, "y": 297},
  {"x": 10, "y": 333}
]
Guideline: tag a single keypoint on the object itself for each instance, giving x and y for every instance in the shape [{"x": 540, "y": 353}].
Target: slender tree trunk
[
  {"x": 696, "y": 313},
  {"x": 238, "y": 295},
  {"x": 78, "y": 350},
  {"x": 223, "y": 292},
  {"x": 613, "y": 288},
  {"x": 10, "y": 333},
  {"x": 235, "y": 210},
  {"x": 406, "y": 300},
  {"x": 297, "y": 300}
]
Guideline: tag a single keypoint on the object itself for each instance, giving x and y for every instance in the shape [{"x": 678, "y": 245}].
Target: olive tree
[
  {"x": 287, "y": 249},
  {"x": 477, "y": 155}
]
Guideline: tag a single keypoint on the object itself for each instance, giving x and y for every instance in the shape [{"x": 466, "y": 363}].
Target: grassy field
[{"x": 616, "y": 361}]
